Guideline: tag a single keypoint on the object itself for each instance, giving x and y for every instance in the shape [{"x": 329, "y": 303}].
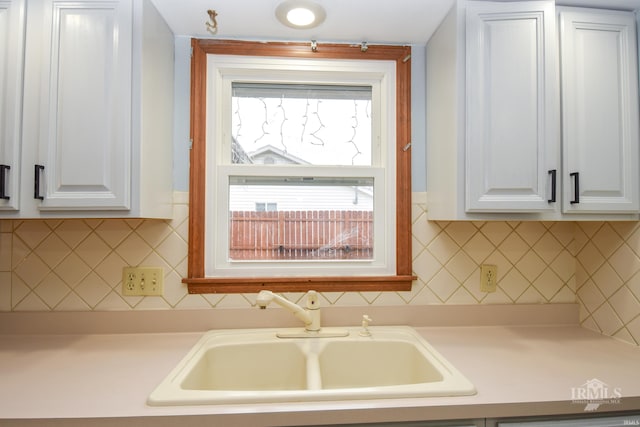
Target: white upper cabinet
[
  {"x": 98, "y": 110},
  {"x": 599, "y": 111},
  {"x": 85, "y": 119},
  {"x": 502, "y": 112},
  {"x": 12, "y": 27},
  {"x": 493, "y": 112},
  {"x": 511, "y": 98}
]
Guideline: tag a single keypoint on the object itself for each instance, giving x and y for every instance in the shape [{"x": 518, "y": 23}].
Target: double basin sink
[{"x": 251, "y": 366}]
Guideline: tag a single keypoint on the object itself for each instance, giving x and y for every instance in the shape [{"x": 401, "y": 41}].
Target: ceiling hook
[
  {"x": 364, "y": 47},
  {"x": 212, "y": 24},
  {"x": 314, "y": 46}
]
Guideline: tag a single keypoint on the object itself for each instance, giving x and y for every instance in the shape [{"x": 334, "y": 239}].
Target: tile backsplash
[
  {"x": 76, "y": 265},
  {"x": 608, "y": 278}
]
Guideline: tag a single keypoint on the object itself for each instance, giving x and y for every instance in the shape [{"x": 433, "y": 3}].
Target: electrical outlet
[
  {"x": 142, "y": 281},
  {"x": 488, "y": 278}
]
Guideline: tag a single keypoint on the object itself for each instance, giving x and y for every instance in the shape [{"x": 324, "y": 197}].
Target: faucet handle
[
  {"x": 365, "y": 320},
  {"x": 313, "y": 301},
  {"x": 365, "y": 326}
]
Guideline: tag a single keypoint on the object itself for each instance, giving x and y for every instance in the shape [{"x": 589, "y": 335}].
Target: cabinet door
[
  {"x": 11, "y": 69},
  {"x": 605, "y": 421},
  {"x": 512, "y": 134},
  {"x": 599, "y": 111},
  {"x": 85, "y": 118}
]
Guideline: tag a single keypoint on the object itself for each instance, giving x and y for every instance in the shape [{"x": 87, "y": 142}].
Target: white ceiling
[{"x": 373, "y": 21}]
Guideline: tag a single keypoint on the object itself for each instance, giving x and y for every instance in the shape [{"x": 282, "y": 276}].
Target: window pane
[
  {"x": 301, "y": 124},
  {"x": 300, "y": 218}
]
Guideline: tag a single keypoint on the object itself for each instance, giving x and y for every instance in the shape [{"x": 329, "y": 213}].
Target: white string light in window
[
  {"x": 284, "y": 119},
  {"x": 264, "y": 131},
  {"x": 265, "y": 123},
  {"x": 239, "y": 116},
  {"x": 354, "y": 126},
  {"x": 321, "y": 125},
  {"x": 305, "y": 120}
]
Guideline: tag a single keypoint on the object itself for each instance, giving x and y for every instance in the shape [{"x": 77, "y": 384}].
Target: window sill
[{"x": 298, "y": 284}]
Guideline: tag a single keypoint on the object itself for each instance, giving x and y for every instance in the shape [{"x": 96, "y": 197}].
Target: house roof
[{"x": 277, "y": 152}]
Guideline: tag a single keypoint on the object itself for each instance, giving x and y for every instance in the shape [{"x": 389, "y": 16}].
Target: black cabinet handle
[
  {"x": 576, "y": 187},
  {"x": 553, "y": 174},
  {"x": 36, "y": 182},
  {"x": 3, "y": 181}
]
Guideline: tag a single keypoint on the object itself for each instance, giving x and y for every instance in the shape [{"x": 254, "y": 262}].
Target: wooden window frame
[{"x": 196, "y": 280}]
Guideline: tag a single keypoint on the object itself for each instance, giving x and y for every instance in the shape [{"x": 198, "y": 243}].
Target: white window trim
[{"x": 222, "y": 71}]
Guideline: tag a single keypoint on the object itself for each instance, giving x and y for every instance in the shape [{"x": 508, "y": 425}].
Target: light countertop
[{"x": 517, "y": 370}]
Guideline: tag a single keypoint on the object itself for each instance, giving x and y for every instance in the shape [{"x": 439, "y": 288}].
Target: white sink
[
  {"x": 375, "y": 363},
  {"x": 250, "y": 366}
]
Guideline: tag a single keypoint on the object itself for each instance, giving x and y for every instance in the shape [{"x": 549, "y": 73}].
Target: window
[
  {"x": 300, "y": 168},
  {"x": 260, "y": 206}
]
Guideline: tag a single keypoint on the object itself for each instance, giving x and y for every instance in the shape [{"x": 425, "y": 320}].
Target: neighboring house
[
  {"x": 297, "y": 221},
  {"x": 270, "y": 155},
  {"x": 293, "y": 197}
]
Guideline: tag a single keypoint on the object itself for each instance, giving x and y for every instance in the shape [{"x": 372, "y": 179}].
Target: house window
[
  {"x": 260, "y": 207},
  {"x": 299, "y": 180}
]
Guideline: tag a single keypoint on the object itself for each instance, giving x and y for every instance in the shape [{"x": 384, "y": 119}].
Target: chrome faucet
[{"x": 310, "y": 315}]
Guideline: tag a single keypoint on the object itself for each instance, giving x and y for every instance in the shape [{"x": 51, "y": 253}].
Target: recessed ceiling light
[{"x": 300, "y": 14}]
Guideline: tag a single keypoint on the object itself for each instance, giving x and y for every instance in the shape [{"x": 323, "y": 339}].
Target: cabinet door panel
[
  {"x": 85, "y": 141},
  {"x": 11, "y": 69},
  {"x": 600, "y": 111},
  {"x": 511, "y": 101}
]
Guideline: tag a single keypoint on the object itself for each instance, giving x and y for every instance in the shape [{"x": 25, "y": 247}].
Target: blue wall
[
  {"x": 182, "y": 92},
  {"x": 181, "y": 125}
]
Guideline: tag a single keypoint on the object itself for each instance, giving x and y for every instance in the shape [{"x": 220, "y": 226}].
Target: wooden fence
[{"x": 301, "y": 235}]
